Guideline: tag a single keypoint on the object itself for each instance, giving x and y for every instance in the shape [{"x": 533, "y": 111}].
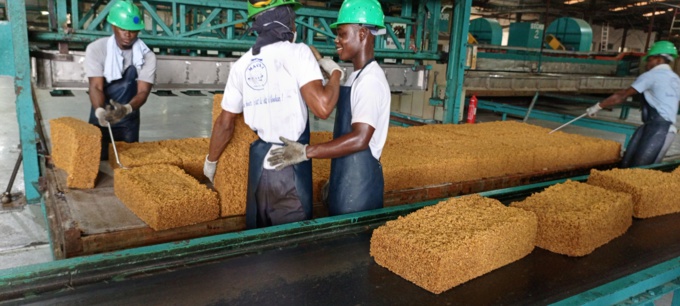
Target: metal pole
[
  {"x": 24, "y": 101},
  {"x": 650, "y": 29},
  {"x": 455, "y": 68},
  {"x": 531, "y": 107},
  {"x": 545, "y": 27}
]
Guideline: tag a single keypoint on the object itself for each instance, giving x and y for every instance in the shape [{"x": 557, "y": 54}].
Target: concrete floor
[{"x": 25, "y": 239}]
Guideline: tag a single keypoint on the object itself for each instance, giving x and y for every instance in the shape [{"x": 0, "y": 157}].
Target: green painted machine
[
  {"x": 486, "y": 31},
  {"x": 574, "y": 34}
]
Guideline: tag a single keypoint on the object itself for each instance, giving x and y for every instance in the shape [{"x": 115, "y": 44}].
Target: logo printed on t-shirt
[{"x": 256, "y": 74}]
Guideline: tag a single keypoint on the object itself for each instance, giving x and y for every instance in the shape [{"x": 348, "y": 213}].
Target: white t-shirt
[
  {"x": 371, "y": 103},
  {"x": 95, "y": 55},
  {"x": 266, "y": 89},
  {"x": 661, "y": 87}
]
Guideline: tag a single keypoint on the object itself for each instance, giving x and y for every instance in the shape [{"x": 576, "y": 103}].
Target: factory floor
[{"x": 23, "y": 228}]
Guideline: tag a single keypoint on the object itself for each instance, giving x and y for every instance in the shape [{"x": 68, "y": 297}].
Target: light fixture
[
  {"x": 653, "y": 13},
  {"x": 569, "y": 2}
]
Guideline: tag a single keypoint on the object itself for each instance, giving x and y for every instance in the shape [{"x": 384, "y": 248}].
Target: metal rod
[
  {"x": 531, "y": 107},
  {"x": 7, "y": 196},
  {"x": 568, "y": 123},
  {"x": 113, "y": 142}
]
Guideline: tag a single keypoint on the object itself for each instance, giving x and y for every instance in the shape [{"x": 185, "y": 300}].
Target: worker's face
[
  {"x": 350, "y": 40},
  {"x": 124, "y": 38},
  {"x": 654, "y": 61}
]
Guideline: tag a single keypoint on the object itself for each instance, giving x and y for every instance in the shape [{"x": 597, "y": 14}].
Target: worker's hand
[
  {"x": 100, "y": 113},
  {"x": 209, "y": 168},
  {"x": 593, "y": 110},
  {"x": 117, "y": 112},
  {"x": 292, "y": 153},
  {"x": 329, "y": 66}
]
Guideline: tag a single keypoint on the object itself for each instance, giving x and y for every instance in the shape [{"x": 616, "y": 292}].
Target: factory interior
[{"x": 487, "y": 119}]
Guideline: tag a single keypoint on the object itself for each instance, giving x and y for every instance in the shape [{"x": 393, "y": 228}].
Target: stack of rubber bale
[
  {"x": 576, "y": 218},
  {"x": 76, "y": 146},
  {"x": 654, "y": 192},
  {"x": 444, "y": 245},
  {"x": 445, "y": 153},
  {"x": 321, "y": 168}
]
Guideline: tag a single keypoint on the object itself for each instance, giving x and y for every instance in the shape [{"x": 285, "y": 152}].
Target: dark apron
[
  {"x": 356, "y": 182},
  {"x": 648, "y": 140},
  {"x": 121, "y": 91},
  {"x": 303, "y": 178}
]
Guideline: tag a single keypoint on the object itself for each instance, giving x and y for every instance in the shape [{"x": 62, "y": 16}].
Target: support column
[
  {"x": 455, "y": 68},
  {"x": 623, "y": 38},
  {"x": 16, "y": 16}
]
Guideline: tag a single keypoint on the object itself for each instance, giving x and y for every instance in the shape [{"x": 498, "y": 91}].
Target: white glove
[
  {"x": 329, "y": 66},
  {"x": 209, "y": 168},
  {"x": 593, "y": 110},
  {"x": 100, "y": 113},
  {"x": 292, "y": 153},
  {"x": 116, "y": 112}
]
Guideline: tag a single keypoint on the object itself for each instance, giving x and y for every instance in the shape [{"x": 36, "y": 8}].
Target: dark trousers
[{"x": 277, "y": 198}]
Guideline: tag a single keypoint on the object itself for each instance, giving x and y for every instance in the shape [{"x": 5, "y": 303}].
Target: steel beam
[{"x": 16, "y": 15}]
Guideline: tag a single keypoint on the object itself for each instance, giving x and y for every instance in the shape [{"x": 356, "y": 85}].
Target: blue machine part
[
  {"x": 525, "y": 35},
  {"x": 575, "y": 34},
  {"x": 487, "y": 31}
]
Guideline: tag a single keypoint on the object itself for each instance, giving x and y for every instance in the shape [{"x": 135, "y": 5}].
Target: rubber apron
[
  {"x": 356, "y": 182},
  {"x": 121, "y": 91},
  {"x": 648, "y": 140},
  {"x": 303, "y": 178}
]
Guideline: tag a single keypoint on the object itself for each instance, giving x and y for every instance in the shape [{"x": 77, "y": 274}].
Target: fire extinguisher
[{"x": 472, "y": 110}]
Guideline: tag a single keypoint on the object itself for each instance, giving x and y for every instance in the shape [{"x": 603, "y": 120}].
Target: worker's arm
[
  {"x": 96, "y": 91},
  {"x": 355, "y": 141},
  {"x": 617, "y": 98},
  {"x": 143, "y": 91},
  {"x": 295, "y": 152},
  {"x": 321, "y": 99},
  {"x": 223, "y": 130}
]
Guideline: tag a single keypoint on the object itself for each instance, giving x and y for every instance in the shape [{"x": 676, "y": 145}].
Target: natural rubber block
[
  {"x": 191, "y": 151},
  {"x": 136, "y": 154},
  {"x": 76, "y": 146},
  {"x": 164, "y": 196},
  {"x": 576, "y": 218},
  {"x": 444, "y": 245}
]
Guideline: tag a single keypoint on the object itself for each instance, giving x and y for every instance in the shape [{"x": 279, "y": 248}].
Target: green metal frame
[
  {"x": 615, "y": 127},
  {"x": 221, "y": 25},
  {"x": 15, "y": 52},
  {"x": 455, "y": 69}
]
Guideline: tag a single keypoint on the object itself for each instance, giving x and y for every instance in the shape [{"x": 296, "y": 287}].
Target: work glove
[
  {"x": 100, "y": 113},
  {"x": 116, "y": 112},
  {"x": 329, "y": 66},
  {"x": 209, "y": 168},
  {"x": 290, "y": 154},
  {"x": 593, "y": 110}
]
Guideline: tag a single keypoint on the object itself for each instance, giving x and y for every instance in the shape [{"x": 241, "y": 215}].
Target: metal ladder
[
  {"x": 675, "y": 24},
  {"x": 604, "y": 37}
]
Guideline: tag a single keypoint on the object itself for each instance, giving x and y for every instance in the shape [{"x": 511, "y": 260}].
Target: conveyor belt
[
  {"x": 339, "y": 271},
  {"x": 327, "y": 262}
]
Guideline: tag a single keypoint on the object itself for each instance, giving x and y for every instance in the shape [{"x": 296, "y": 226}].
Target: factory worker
[
  {"x": 121, "y": 70},
  {"x": 273, "y": 85},
  {"x": 361, "y": 119},
  {"x": 660, "y": 88}
]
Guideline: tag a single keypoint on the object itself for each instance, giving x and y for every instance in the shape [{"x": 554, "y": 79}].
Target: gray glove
[
  {"x": 209, "y": 169},
  {"x": 593, "y": 110},
  {"x": 292, "y": 153},
  {"x": 329, "y": 66},
  {"x": 100, "y": 113},
  {"x": 117, "y": 112}
]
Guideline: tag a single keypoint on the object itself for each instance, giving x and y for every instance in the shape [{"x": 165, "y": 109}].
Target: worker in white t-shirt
[
  {"x": 660, "y": 89},
  {"x": 273, "y": 85},
  {"x": 121, "y": 71},
  {"x": 362, "y": 116}
]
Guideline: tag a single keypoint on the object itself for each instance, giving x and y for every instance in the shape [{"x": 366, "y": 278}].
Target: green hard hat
[
  {"x": 662, "y": 47},
  {"x": 258, "y": 6},
  {"x": 126, "y": 16},
  {"x": 367, "y": 12}
]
